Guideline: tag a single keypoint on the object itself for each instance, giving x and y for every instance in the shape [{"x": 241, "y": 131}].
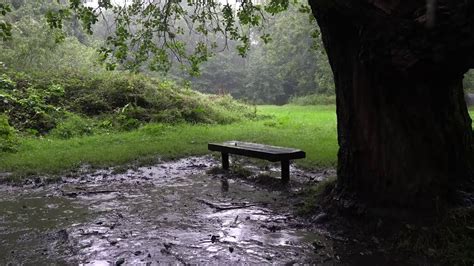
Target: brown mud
[{"x": 181, "y": 212}]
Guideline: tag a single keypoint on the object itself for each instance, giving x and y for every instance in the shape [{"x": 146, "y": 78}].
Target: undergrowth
[
  {"x": 8, "y": 136},
  {"x": 314, "y": 99},
  {"x": 449, "y": 240},
  {"x": 312, "y": 129},
  {"x": 71, "y": 104},
  {"x": 312, "y": 194}
]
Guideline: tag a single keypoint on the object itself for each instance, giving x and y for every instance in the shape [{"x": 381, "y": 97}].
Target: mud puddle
[{"x": 175, "y": 212}]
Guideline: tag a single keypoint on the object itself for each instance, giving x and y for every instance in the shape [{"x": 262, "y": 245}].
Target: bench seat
[{"x": 260, "y": 151}]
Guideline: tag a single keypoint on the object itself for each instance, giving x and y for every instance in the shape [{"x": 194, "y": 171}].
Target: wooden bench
[{"x": 266, "y": 152}]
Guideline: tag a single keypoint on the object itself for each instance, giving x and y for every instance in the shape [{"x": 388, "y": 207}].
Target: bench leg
[
  {"x": 225, "y": 161},
  {"x": 285, "y": 171}
]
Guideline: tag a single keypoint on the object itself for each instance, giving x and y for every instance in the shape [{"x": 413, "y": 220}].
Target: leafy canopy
[
  {"x": 295, "y": 65},
  {"x": 152, "y": 33},
  {"x": 5, "y": 27}
]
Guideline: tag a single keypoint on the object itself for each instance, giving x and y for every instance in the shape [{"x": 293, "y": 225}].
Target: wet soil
[{"x": 184, "y": 212}]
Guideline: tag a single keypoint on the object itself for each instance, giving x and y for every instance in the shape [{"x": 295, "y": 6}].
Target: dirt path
[
  {"x": 182, "y": 212},
  {"x": 172, "y": 212}
]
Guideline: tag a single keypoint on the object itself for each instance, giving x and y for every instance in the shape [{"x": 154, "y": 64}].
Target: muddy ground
[{"x": 181, "y": 212}]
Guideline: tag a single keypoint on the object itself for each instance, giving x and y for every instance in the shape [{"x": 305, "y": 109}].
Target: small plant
[
  {"x": 312, "y": 194},
  {"x": 6, "y": 83},
  {"x": 30, "y": 107},
  {"x": 8, "y": 137},
  {"x": 72, "y": 126},
  {"x": 126, "y": 123}
]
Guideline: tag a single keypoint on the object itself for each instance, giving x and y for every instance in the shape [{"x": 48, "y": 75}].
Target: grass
[
  {"x": 312, "y": 194},
  {"x": 314, "y": 99},
  {"x": 311, "y": 128},
  {"x": 450, "y": 239}
]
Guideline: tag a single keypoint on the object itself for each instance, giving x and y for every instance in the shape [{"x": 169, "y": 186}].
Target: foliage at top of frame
[{"x": 147, "y": 33}]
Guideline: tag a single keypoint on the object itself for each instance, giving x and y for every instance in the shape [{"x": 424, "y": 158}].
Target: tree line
[
  {"x": 270, "y": 72},
  {"x": 292, "y": 64}
]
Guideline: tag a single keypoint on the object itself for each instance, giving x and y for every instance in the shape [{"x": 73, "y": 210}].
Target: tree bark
[{"x": 404, "y": 130}]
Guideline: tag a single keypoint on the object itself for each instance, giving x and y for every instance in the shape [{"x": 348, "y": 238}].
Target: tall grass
[
  {"x": 310, "y": 128},
  {"x": 314, "y": 99}
]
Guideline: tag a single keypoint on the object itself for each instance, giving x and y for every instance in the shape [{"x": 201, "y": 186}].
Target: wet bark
[{"x": 404, "y": 130}]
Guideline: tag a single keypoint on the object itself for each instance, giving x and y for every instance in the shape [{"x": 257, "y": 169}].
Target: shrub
[
  {"x": 104, "y": 101},
  {"x": 126, "y": 123},
  {"x": 90, "y": 104},
  {"x": 8, "y": 137},
  {"x": 172, "y": 116},
  {"x": 30, "y": 107},
  {"x": 136, "y": 112},
  {"x": 6, "y": 83},
  {"x": 73, "y": 126}
]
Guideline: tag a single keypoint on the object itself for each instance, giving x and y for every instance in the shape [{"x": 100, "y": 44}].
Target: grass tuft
[
  {"x": 312, "y": 194},
  {"x": 450, "y": 240}
]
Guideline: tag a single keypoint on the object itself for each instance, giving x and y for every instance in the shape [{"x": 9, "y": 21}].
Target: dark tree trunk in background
[{"x": 404, "y": 130}]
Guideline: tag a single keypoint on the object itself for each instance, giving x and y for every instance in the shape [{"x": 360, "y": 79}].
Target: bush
[
  {"x": 72, "y": 126},
  {"x": 226, "y": 110},
  {"x": 8, "y": 137},
  {"x": 136, "y": 112},
  {"x": 30, "y": 107},
  {"x": 6, "y": 84},
  {"x": 314, "y": 99},
  {"x": 126, "y": 123},
  {"x": 90, "y": 104},
  {"x": 104, "y": 101},
  {"x": 170, "y": 116}
]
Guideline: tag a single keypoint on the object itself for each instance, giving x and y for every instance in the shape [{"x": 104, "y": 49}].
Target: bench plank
[
  {"x": 261, "y": 151},
  {"x": 266, "y": 152}
]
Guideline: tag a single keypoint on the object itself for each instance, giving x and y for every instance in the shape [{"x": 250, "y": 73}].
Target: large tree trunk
[{"x": 404, "y": 130}]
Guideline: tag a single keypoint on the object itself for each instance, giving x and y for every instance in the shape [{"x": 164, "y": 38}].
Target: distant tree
[
  {"x": 225, "y": 72},
  {"x": 323, "y": 74},
  {"x": 286, "y": 65},
  {"x": 290, "y": 64},
  {"x": 37, "y": 47}
]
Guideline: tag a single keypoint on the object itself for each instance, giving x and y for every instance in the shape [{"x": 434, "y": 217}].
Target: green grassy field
[{"x": 311, "y": 128}]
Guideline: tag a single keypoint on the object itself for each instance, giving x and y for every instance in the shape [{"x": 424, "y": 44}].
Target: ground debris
[
  {"x": 74, "y": 194},
  {"x": 168, "y": 245},
  {"x": 120, "y": 262},
  {"x": 225, "y": 206},
  {"x": 164, "y": 219},
  {"x": 214, "y": 238},
  {"x": 318, "y": 245},
  {"x": 320, "y": 218}
]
